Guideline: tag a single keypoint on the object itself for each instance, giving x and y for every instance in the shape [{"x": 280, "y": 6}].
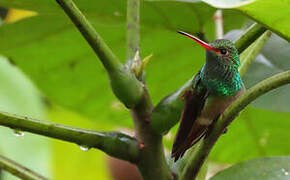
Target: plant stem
[
  {"x": 109, "y": 60},
  {"x": 252, "y": 52},
  {"x": 115, "y": 144},
  {"x": 19, "y": 170},
  {"x": 191, "y": 169},
  {"x": 124, "y": 83},
  {"x": 218, "y": 20},
  {"x": 247, "y": 38},
  {"x": 152, "y": 163},
  {"x": 133, "y": 29}
]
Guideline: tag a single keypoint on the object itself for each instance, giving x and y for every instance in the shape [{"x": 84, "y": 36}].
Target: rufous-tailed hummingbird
[{"x": 213, "y": 89}]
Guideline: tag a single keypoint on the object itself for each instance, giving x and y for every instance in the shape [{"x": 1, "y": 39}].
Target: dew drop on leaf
[
  {"x": 18, "y": 133},
  {"x": 285, "y": 172},
  {"x": 84, "y": 147}
]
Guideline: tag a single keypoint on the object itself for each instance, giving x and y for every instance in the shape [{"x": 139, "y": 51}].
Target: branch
[
  {"x": 108, "y": 58},
  {"x": 133, "y": 40},
  {"x": 152, "y": 163},
  {"x": 19, "y": 170},
  {"x": 115, "y": 144},
  {"x": 218, "y": 20},
  {"x": 191, "y": 169},
  {"x": 133, "y": 29},
  {"x": 124, "y": 83},
  {"x": 250, "y": 53},
  {"x": 251, "y": 34}
]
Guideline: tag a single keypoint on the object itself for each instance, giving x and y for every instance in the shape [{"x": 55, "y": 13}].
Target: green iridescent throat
[
  {"x": 220, "y": 73},
  {"x": 221, "y": 81}
]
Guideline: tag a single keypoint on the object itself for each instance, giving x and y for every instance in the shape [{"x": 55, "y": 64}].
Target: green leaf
[
  {"x": 271, "y": 60},
  {"x": 268, "y": 168},
  {"x": 63, "y": 67},
  {"x": 161, "y": 14},
  {"x": 275, "y": 15},
  {"x": 255, "y": 133},
  {"x": 228, "y": 3},
  {"x": 89, "y": 164},
  {"x": 19, "y": 96},
  {"x": 67, "y": 71}
]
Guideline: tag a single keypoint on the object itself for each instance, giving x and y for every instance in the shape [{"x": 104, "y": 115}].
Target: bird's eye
[{"x": 223, "y": 51}]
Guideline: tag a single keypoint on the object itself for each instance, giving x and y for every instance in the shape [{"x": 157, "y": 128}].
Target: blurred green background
[{"x": 48, "y": 71}]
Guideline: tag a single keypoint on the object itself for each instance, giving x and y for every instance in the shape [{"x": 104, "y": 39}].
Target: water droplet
[
  {"x": 18, "y": 133},
  {"x": 263, "y": 141},
  {"x": 116, "y": 13},
  {"x": 285, "y": 172},
  {"x": 84, "y": 147}
]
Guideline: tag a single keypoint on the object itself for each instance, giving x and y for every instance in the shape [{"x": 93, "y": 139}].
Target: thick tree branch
[
  {"x": 251, "y": 34},
  {"x": 124, "y": 83},
  {"x": 191, "y": 169},
  {"x": 19, "y": 170},
  {"x": 152, "y": 163},
  {"x": 115, "y": 144}
]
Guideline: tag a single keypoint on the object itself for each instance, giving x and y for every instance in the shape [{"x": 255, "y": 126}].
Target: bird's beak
[{"x": 202, "y": 43}]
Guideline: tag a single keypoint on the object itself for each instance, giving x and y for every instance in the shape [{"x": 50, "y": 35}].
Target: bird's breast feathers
[{"x": 216, "y": 105}]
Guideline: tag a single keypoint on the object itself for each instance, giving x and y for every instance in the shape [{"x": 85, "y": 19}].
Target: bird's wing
[{"x": 190, "y": 132}]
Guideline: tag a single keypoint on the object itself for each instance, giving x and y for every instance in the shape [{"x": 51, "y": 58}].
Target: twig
[
  {"x": 247, "y": 38},
  {"x": 105, "y": 54},
  {"x": 219, "y": 25},
  {"x": 19, "y": 170},
  {"x": 115, "y": 144},
  {"x": 124, "y": 83},
  {"x": 253, "y": 51},
  {"x": 133, "y": 29},
  {"x": 191, "y": 169}
]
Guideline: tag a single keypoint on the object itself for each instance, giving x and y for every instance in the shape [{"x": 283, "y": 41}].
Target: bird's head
[{"x": 221, "y": 51}]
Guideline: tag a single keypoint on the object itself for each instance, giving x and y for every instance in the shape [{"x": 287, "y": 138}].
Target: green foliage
[
  {"x": 258, "y": 169},
  {"x": 271, "y": 60},
  {"x": 64, "y": 68},
  {"x": 57, "y": 71},
  {"x": 84, "y": 165},
  {"x": 19, "y": 96},
  {"x": 273, "y": 14},
  {"x": 255, "y": 133}
]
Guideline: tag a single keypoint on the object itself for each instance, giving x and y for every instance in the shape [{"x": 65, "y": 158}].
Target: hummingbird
[{"x": 217, "y": 85}]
